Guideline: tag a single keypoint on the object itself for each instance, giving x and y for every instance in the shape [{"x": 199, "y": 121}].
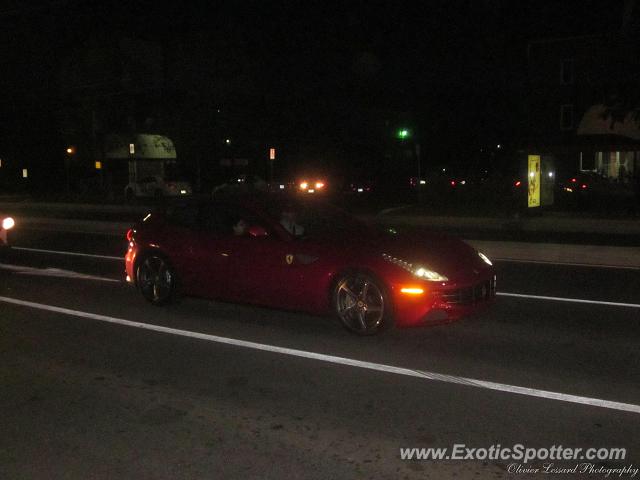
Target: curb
[
  {"x": 556, "y": 253},
  {"x": 539, "y": 224}
]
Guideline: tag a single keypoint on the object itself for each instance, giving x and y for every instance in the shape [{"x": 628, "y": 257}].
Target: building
[{"x": 575, "y": 104}]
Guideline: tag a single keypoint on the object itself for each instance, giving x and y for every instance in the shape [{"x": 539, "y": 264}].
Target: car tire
[
  {"x": 361, "y": 303},
  {"x": 156, "y": 279}
]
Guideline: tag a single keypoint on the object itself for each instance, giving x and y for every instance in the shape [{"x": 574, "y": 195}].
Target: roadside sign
[
  {"x": 272, "y": 154},
  {"x": 25, "y": 173},
  {"x": 534, "y": 181},
  {"x": 132, "y": 148}
]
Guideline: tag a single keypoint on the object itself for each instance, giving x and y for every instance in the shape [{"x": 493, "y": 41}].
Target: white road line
[
  {"x": 74, "y": 254},
  {"x": 570, "y": 300},
  {"x": 54, "y": 272},
  {"x": 43, "y": 228},
  {"x": 564, "y": 264},
  {"x": 425, "y": 375}
]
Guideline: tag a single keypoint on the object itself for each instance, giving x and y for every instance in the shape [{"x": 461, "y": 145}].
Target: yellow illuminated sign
[
  {"x": 98, "y": 165},
  {"x": 534, "y": 181}
]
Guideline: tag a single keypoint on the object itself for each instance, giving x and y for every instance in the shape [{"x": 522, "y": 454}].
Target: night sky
[{"x": 311, "y": 71}]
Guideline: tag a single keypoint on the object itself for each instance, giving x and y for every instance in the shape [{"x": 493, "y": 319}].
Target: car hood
[{"x": 440, "y": 252}]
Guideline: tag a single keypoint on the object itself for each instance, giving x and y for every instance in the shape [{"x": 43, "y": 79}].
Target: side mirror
[{"x": 257, "y": 231}]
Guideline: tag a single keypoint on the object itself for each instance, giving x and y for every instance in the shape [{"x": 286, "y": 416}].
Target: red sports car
[{"x": 302, "y": 254}]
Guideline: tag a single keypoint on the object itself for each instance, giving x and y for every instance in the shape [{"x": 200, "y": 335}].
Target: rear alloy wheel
[
  {"x": 361, "y": 304},
  {"x": 156, "y": 280}
]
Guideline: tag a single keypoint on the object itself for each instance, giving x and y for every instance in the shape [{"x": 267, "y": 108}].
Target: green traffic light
[{"x": 403, "y": 133}]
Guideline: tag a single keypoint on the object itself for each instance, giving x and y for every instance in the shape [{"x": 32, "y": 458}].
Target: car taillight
[
  {"x": 584, "y": 185},
  {"x": 130, "y": 233},
  {"x": 518, "y": 183},
  {"x": 453, "y": 183}
]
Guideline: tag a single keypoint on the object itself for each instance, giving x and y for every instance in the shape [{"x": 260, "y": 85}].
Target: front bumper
[{"x": 444, "y": 304}]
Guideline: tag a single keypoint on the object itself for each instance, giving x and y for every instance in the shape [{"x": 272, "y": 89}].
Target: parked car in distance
[
  {"x": 157, "y": 187},
  {"x": 586, "y": 189}
]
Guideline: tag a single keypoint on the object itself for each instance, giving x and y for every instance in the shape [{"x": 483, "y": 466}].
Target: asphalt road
[{"x": 229, "y": 391}]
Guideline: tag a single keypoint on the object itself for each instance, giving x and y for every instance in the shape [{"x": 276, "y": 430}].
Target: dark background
[{"x": 327, "y": 84}]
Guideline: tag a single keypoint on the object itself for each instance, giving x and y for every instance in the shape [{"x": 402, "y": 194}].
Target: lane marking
[
  {"x": 74, "y": 254},
  {"x": 565, "y": 264},
  {"x": 53, "y": 272},
  {"x": 422, "y": 374},
  {"x": 43, "y": 228},
  {"x": 570, "y": 300}
]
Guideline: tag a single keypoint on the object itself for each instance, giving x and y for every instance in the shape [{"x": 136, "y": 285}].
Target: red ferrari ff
[{"x": 302, "y": 254}]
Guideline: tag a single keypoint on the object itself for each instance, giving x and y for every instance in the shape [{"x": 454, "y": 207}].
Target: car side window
[{"x": 227, "y": 220}]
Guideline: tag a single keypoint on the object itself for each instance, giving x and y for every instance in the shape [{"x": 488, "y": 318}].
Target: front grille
[{"x": 480, "y": 292}]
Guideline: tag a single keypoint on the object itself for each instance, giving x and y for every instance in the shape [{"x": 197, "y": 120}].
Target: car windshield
[{"x": 313, "y": 218}]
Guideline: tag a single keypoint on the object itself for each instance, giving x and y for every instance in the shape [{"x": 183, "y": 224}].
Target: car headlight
[
  {"x": 418, "y": 270},
  {"x": 485, "y": 258},
  {"x": 8, "y": 223}
]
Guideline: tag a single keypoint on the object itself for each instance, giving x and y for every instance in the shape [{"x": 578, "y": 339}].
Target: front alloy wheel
[
  {"x": 361, "y": 305},
  {"x": 156, "y": 280}
]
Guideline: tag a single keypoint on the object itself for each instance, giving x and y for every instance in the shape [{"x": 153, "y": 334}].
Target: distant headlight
[
  {"x": 8, "y": 223},
  {"x": 418, "y": 270},
  {"x": 485, "y": 258}
]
